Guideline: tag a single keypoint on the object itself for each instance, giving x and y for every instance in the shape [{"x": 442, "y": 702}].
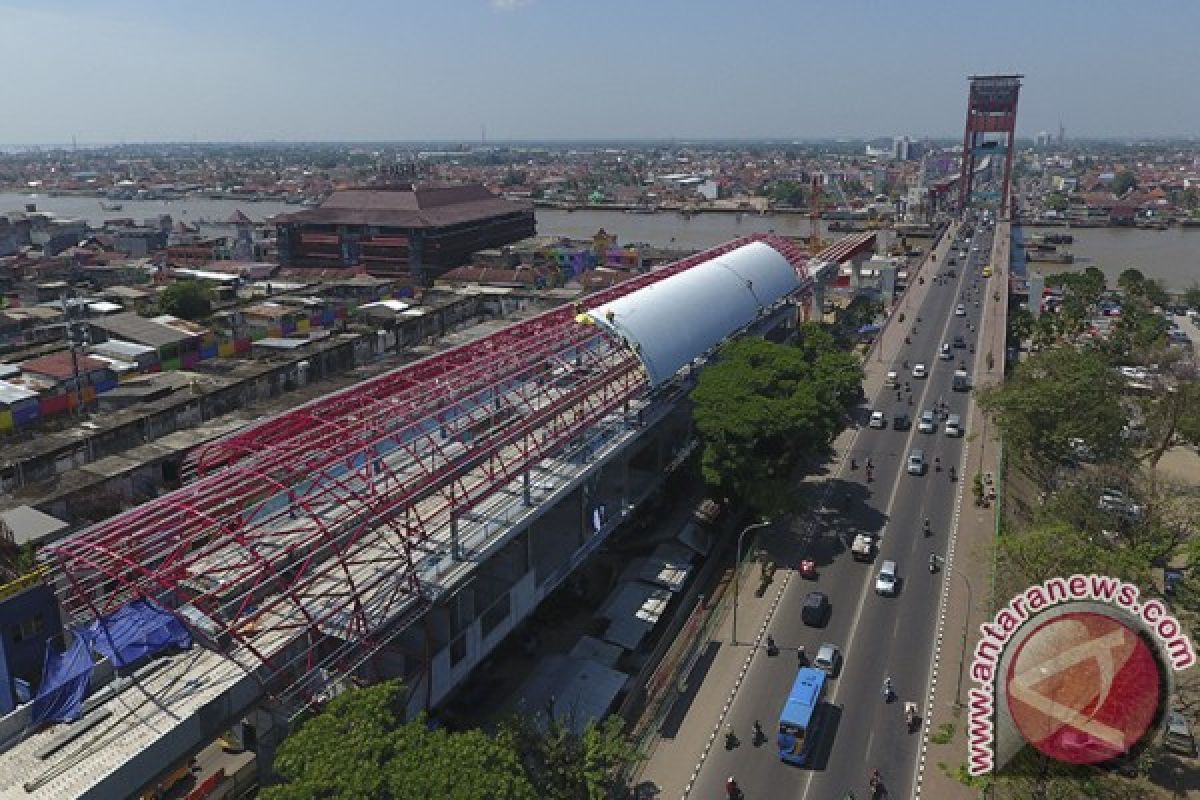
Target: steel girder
[{"x": 317, "y": 522}]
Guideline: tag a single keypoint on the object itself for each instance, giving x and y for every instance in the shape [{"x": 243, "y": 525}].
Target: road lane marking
[{"x": 944, "y": 600}]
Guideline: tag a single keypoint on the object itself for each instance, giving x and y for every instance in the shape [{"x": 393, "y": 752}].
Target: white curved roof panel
[{"x": 673, "y": 321}]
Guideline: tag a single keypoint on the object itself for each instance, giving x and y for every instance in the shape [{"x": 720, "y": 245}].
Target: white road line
[{"x": 947, "y": 573}]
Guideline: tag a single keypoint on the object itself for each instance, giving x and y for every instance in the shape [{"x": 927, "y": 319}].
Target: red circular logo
[{"x": 1083, "y": 687}]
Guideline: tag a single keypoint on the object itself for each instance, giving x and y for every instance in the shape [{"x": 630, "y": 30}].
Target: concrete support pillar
[
  {"x": 526, "y": 489},
  {"x": 1037, "y": 284},
  {"x": 455, "y": 547},
  {"x": 817, "y": 300}
]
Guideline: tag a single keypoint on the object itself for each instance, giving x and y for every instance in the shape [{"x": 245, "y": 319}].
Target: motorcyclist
[
  {"x": 887, "y": 688},
  {"x": 731, "y": 787},
  {"x": 869, "y": 464},
  {"x": 937, "y": 464},
  {"x": 952, "y": 475},
  {"x": 933, "y": 562},
  {"x": 771, "y": 648},
  {"x": 927, "y": 528},
  {"x": 758, "y": 731}
]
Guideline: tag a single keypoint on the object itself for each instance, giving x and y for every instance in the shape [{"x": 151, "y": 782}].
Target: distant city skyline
[{"x": 565, "y": 70}]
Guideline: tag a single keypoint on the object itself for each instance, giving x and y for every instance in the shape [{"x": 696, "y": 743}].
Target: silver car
[{"x": 829, "y": 659}]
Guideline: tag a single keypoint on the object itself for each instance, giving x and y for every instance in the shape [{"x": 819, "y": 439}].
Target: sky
[{"x": 398, "y": 70}]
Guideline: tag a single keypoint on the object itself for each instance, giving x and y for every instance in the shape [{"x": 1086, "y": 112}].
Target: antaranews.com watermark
[{"x": 1064, "y": 714}]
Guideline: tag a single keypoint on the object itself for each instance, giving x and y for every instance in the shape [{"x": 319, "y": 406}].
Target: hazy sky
[{"x": 136, "y": 70}]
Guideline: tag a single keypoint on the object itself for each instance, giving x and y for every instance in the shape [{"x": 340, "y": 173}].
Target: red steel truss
[
  {"x": 313, "y": 525},
  {"x": 991, "y": 108}
]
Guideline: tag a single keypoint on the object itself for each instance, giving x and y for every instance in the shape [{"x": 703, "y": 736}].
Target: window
[{"x": 29, "y": 628}]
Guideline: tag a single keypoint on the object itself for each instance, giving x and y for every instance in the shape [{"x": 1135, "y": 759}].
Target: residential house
[{"x": 177, "y": 346}]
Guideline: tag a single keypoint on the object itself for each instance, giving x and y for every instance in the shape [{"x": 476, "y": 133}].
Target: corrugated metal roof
[{"x": 678, "y": 319}]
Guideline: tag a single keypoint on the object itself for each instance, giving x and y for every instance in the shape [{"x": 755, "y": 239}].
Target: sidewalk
[
  {"x": 967, "y": 577},
  {"x": 674, "y": 760}
]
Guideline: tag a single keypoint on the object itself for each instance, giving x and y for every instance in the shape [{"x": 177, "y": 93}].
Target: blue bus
[{"x": 799, "y": 716}]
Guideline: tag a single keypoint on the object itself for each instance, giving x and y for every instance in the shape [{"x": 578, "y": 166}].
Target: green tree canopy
[
  {"x": 1123, "y": 182},
  {"x": 1191, "y": 297},
  {"x": 1054, "y": 396},
  {"x": 359, "y": 749},
  {"x": 564, "y": 765},
  {"x": 1055, "y": 201},
  {"x": 762, "y": 406},
  {"x": 186, "y": 300},
  {"x": 1130, "y": 281},
  {"x": 791, "y": 194}
]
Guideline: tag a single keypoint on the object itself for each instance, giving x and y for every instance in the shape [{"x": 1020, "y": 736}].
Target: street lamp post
[{"x": 737, "y": 565}]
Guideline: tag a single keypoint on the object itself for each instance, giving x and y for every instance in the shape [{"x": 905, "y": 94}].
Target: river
[{"x": 1171, "y": 256}]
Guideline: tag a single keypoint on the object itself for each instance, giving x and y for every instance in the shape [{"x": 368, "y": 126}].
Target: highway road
[{"x": 879, "y": 636}]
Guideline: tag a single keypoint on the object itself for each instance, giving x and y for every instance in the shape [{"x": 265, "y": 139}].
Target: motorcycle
[
  {"x": 910, "y": 716},
  {"x": 731, "y": 740}
]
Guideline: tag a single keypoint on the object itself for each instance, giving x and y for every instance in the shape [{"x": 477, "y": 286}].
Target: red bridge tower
[{"x": 991, "y": 109}]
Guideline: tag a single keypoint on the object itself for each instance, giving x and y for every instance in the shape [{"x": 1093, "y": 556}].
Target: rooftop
[
  {"x": 61, "y": 365},
  {"x": 422, "y": 207}
]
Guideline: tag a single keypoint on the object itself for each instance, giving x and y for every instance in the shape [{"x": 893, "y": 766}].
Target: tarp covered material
[
  {"x": 869, "y": 328},
  {"x": 65, "y": 679},
  {"x": 136, "y": 630}
]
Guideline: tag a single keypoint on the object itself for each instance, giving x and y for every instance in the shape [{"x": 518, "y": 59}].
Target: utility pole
[{"x": 77, "y": 337}]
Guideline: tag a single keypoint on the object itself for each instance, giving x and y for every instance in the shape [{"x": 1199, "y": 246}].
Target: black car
[
  {"x": 901, "y": 422},
  {"x": 960, "y": 342},
  {"x": 815, "y": 610}
]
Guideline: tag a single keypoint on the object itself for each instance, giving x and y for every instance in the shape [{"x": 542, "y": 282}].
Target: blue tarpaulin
[
  {"x": 870, "y": 328},
  {"x": 65, "y": 678},
  {"x": 136, "y": 630}
]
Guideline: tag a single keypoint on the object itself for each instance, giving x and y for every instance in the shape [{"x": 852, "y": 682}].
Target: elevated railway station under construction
[{"x": 400, "y": 528}]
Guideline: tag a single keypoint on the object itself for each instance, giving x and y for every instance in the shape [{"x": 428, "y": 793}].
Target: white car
[
  {"x": 927, "y": 423},
  {"x": 828, "y": 659},
  {"x": 885, "y": 582},
  {"x": 945, "y": 354},
  {"x": 919, "y": 371},
  {"x": 960, "y": 310},
  {"x": 878, "y": 420}
]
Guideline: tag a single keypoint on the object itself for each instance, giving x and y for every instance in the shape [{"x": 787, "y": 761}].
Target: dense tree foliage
[
  {"x": 359, "y": 748},
  {"x": 186, "y": 300},
  {"x": 1130, "y": 281},
  {"x": 761, "y": 407},
  {"x": 1191, "y": 297},
  {"x": 1055, "y": 396},
  {"x": 1123, "y": 182}
]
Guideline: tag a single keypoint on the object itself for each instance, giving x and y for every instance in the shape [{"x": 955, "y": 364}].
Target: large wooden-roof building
[{"x": 418, "y": 231}]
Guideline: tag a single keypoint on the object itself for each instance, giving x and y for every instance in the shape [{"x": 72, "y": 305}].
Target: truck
[
  {"x": 962, "y": 381},
  {"x": 863, "y": 547}
]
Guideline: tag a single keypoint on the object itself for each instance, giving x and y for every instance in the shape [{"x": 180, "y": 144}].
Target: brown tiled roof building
[{"x": 421, "y": 231}]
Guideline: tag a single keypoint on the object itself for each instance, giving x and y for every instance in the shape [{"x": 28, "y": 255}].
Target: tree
[
  {"x": 787, "y": 193},
  {"x": 186, "y": 300},
  {"x": 1020, "y": 324},
  {"x": 359, "y": 748},
  {"x": 1055, "y": 201},
  {"x": 564, "y": 765},
  {"x": 1155, "y": 293},
  {"x": 1191, "y": 297},
  {"x": 762, "y": 406},
  {"x": 1123, "y": 182},
  {"x": 1053, "y": 397},
  {"x": 1130, "y": 281}
]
